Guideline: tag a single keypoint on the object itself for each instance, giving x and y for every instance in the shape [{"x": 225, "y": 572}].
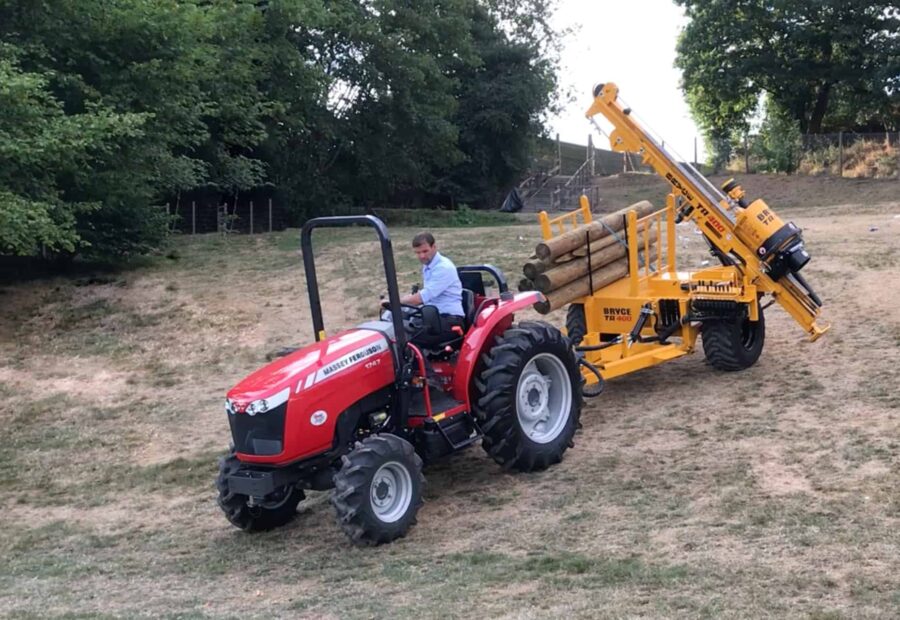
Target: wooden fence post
[
  {"x": 270, "y": 215},
  {"x": 193, "y": 217},
  {"x": 840, "y": 153}
]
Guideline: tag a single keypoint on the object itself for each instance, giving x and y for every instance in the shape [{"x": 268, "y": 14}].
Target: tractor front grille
[{"x": 261, "y": 434}]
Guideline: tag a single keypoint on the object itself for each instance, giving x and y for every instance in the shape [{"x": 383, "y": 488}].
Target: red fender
[{"x": 491, "y": 321}]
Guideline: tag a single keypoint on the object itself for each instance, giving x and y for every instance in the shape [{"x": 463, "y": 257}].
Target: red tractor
[{"x": 358, "y": 412}]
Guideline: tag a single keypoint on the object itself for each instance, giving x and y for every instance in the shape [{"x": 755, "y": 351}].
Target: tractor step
[
  {"x": 441, "y": 402},
  {"x": 458, "y": 432}
]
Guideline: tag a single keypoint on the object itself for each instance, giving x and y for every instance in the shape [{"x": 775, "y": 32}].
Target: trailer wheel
[
  {"x": 736, "y": 344},
  {"x": 576, "y": 325},
  {"x": 529, "y": 397},
  {"x": 278, "y": 509},
  {"x": 378, "y": 490}
]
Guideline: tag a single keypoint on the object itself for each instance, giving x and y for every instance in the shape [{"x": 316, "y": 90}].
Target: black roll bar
[{"x": 387, "y": 256}]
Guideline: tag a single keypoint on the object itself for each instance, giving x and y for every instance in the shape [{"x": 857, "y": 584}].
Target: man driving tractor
[{"x": 441, "y": 288}]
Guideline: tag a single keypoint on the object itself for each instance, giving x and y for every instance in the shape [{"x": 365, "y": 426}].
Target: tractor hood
[{"x": 311, "y": 365}]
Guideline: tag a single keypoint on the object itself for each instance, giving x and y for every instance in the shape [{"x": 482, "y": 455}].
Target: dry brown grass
[{"x": 690, "y": 493}]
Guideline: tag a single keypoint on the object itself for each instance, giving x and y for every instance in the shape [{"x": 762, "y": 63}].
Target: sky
[{"x": 631, "y": 43}]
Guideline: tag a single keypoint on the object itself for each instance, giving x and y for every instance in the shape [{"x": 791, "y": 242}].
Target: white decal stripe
[
  {"x": 278, "y": 399},
  {"x": 309, "y": 381},
  {"x": 351, "y": 359}
]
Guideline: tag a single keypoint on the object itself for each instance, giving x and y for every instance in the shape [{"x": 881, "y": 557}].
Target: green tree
[
  {"x": 779, "y": 140},
  {"x": 41, "y": 148},
  {"x": 113, "y": 107},
  {"x": 502, "y": 96},
  {"x": 187, "y": 69},
  {"x": 827, "y": 64}
]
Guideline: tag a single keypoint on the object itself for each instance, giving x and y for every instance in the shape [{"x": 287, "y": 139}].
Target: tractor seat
[
  {"x": 438, "y": 351},
  {"x": 468, "y": 304}
]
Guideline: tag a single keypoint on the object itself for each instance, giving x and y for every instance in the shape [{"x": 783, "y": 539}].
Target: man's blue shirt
[{"x": 442, "y": 287}]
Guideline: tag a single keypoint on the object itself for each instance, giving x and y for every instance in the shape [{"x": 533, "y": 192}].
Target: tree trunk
[
  {"x": 559, "y": 276},
  {"x": 536, "y": 266},
  {"x": 821, "y": 106},
  {"x": 582, "y": 286},
  {"x": 568, "y": 241}
]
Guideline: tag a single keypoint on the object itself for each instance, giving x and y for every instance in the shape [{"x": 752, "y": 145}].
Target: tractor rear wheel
[
  {"x": 733, "y": 344},
  {"x": 529, "y": 397},
  {"x": 378, "y": 490},
  {"x": 277, "y": 509}
]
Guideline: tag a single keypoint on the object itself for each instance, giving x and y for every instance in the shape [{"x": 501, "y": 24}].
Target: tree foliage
[
  {"x": 828, "y": 65},
  {"x": 109, "y": 108}
]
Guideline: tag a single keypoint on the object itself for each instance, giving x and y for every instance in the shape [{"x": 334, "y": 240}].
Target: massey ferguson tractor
[{"x": 361, "y": 410}]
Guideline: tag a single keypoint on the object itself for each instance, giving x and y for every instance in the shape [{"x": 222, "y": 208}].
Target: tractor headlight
[{"x": 258, "y": 406}]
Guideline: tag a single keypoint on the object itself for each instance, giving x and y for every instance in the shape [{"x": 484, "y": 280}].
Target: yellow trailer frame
[
  {"x": 618, "y": 340},
  {"x": 614, "y": 309}
]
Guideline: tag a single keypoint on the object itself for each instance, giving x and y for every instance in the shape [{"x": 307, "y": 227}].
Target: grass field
[{"x": 690, "y": 493}]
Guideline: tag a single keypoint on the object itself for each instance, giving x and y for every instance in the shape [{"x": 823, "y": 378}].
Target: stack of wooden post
[{"x": 563, "y": 270}]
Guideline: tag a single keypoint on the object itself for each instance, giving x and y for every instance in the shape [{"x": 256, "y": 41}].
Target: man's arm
[{"x": 413, "y": 300}]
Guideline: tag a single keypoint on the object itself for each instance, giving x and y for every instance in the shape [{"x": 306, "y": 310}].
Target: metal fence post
[
  {"x": 251, "y": 217},
  {"x": 695, "y": 151},
  {"x": 193, "y": 217},
  {"x": 270, "y": 215}
]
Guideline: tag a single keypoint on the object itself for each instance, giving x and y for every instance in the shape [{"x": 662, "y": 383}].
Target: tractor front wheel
[
  {"x": 529, "y": 397},
  {"x": 378, "y": 490},
  {"x": 733, "y": 344},
  {"x": 276, "y": 510}
]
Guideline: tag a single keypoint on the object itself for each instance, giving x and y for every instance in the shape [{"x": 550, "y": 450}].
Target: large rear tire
[
  {"x": 529, "y": 397},
  {"x": 278, "y": 509},
  {"x": 735, "y": 344},
  {"x": 378, "y": 490}
]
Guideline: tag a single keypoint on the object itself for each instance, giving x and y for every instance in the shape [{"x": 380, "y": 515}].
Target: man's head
[{"x": 424, "y": 247}]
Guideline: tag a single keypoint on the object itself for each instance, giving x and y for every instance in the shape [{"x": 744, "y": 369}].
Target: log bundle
[{"x": 582, "y": 260}]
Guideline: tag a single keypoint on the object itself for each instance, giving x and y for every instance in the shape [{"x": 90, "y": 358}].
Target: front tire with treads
[
  {"x": 733, "y": 344},
  {"x": 277, "y": 510},
  {"x": 529, "y": 397},
  {"x": 378, "y": 490}
]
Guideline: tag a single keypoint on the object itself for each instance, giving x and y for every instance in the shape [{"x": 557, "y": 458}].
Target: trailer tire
[
  {"x": 736, "y": 344},
  {"x": 254, "y": 518},
  {"x": 529, "y": 397},
  {"x": 378, "y": 490},
  {"x": 576, "y": 325}
]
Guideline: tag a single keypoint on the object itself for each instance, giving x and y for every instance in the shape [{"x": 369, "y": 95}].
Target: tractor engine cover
[{"x": 288, "y": 410}]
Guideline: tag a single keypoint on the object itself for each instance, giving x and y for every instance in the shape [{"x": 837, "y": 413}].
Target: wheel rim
[
  {"x": 277, "y": 499},
  {"x": 391, "y": 491},
  {"x": 543, "y": 398}
]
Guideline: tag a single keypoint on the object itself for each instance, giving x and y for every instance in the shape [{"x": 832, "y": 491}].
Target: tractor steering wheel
[{"x": 413, "y": 310}]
